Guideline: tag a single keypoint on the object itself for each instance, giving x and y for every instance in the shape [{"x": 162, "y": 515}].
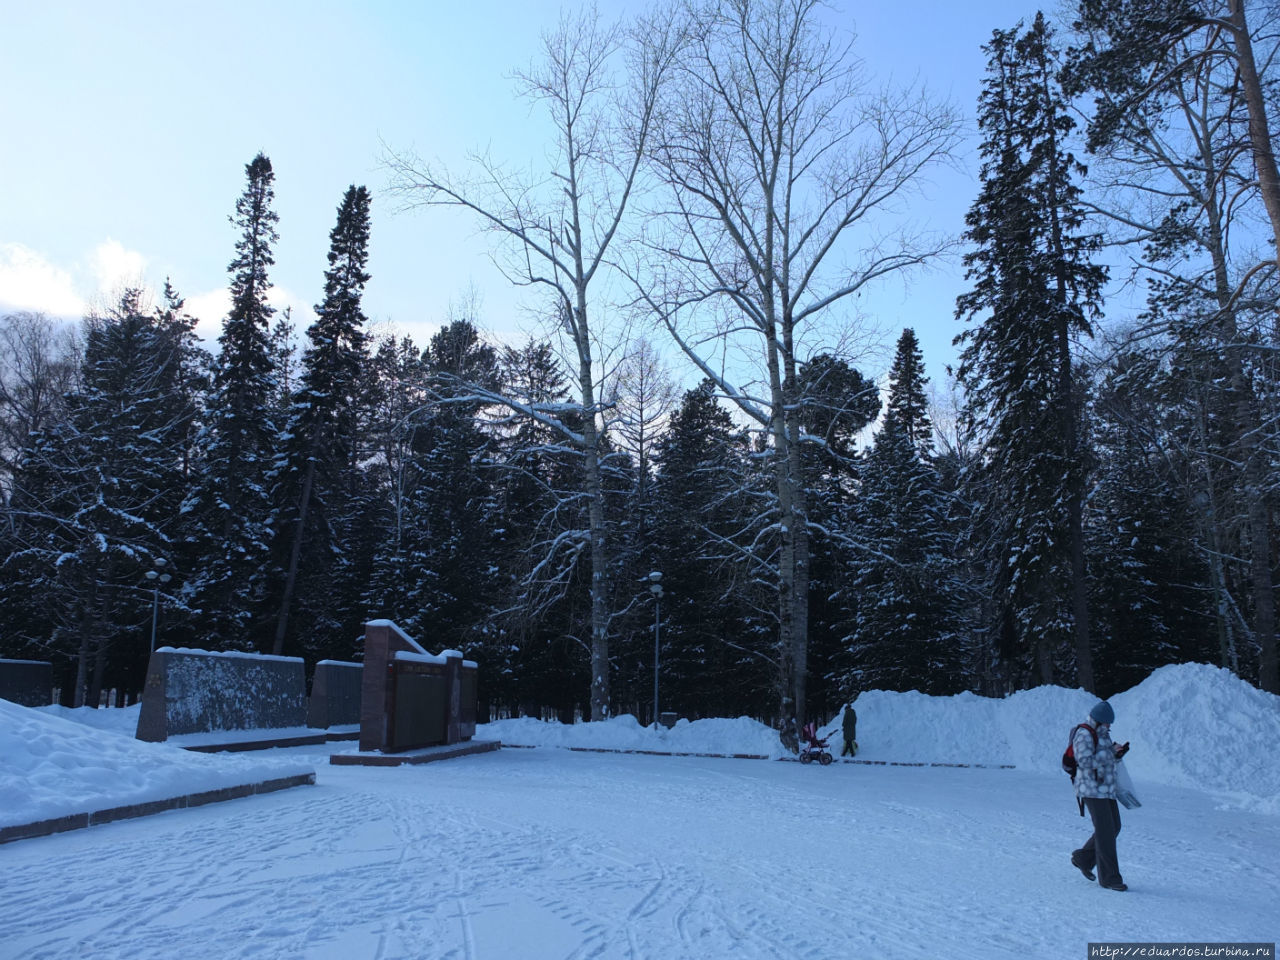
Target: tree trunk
[
  {"x": 295, "y": 552},
  {"x": 1264, "y": 158},
  {"x": 596, "y": 522}
]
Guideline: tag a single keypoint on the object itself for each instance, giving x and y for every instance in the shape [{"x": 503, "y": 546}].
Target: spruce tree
[
  {"x": 232, "y": 504},
  {"x": 435, "y": 574},
  {"x": 908, "y": 404},
  {"x": 1034, "y": 289},
  {"x": 715, "y": 643},
  {"x": 98, "y": 495},
  {"x": 1148, "y": 586},
  {"x": 319, "y": 479},
  {"x": 903, "y": 585}
]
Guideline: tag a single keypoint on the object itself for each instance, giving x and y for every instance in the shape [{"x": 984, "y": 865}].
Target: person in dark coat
[{"x": 850, "y": 725}]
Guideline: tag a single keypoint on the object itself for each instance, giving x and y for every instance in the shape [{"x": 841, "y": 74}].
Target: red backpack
[{"x": 1069, "y": 765}]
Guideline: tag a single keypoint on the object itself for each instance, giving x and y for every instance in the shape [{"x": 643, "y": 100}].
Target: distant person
[
  {"x": 1096, "y": 758},
  {"x": 850, "y": 726}
]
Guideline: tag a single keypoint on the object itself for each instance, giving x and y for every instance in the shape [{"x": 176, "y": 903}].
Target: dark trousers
[
  {"x": 848, "y": 747},
  {"x": 1100, "y": 849}
]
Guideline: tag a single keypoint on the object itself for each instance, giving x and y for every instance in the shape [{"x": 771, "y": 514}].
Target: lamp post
[
  {"x": 157, "y": 577},
  {"x": 655, "y": 587}
]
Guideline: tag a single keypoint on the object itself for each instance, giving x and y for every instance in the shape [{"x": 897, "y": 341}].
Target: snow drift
[
  {"x": 1190, "y": 725},
  {"x": 51, "y": 767}
]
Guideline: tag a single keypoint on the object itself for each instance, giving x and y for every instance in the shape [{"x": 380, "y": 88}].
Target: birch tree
[
  {"x": 558, "y": 231},
  {"x": 784, "y": 168}
]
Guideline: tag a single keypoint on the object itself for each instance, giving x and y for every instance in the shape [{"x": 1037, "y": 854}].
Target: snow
[
  {"x": 240, "y": 654},
  {"x": 418, "y": 648},
  {"x": 412, "y": 657},
  {"x": 53, "y": 767},
  {"x": 742, "y": 735},
  {"x": 548, "y": 853}
]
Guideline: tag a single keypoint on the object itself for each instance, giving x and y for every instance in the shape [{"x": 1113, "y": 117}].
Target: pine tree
[
  {"x": 1034, "y": 288},
  {"x": 231, "y": 504},
  {"x": 1148, "y": 581},
  {"x": 839, "y": 404},
  {"x": 538, "y": 540},
  {"x": 319, "y": 479}
]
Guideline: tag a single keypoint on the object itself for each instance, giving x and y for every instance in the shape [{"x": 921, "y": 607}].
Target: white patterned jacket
[{"x": 1095, "y": 766}]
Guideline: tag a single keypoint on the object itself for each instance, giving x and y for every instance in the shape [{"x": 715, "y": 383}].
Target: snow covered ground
[
  {"x": 51, "y": 766},
  {"x": 549, "y": 853}
]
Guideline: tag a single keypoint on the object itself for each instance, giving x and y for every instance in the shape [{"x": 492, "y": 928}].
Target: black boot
[{"x": 1079, "y": 865}]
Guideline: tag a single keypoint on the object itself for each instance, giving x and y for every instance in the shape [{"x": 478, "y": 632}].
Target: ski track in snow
[{"x": 525, "y": 855}]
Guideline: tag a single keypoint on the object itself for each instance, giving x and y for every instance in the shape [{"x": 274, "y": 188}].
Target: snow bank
[
  {"x": 53, "y": 767},
  {"x": 1189, "y": 725},
  {"x": 742, "y": 735},
  {"x": 1199, "y": 726}
]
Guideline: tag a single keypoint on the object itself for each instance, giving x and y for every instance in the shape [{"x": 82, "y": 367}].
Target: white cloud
[
  {"x": 114, "y": 268},
  {"x": 30, "y": 282},
  {"x": 211, "y": 308}
]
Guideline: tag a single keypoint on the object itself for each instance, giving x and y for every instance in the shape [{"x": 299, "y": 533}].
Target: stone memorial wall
[
  {"x": 199, "y": 691},
  {"x": 335, "y": 694},
  {"x": 26, "y": 682}
]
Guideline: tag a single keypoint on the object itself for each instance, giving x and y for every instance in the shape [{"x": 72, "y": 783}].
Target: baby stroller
[{"x": 814, "y": 749}]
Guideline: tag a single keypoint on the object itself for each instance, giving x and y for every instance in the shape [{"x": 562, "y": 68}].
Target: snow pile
[
  {"x": 1027, "y": 729},
  {"x": 742, "y": 735},
  {"x": 1199, "y": 726},
  {"x": 1189, "y": 725},
  {"x": 121, "y": 720},
  {"x": 53, "y": 767}
]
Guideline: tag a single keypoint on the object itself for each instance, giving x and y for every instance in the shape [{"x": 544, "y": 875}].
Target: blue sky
[{"x": 127, "y": 126}]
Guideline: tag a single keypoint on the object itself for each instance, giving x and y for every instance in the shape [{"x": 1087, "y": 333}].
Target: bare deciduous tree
[
  {"x": 558, "y": 232},
  {"x": 39, "y": 362},
  {"x": 784, "y": 167}
]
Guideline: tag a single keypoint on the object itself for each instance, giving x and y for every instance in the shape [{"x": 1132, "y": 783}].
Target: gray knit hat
[{"x": 1102, "y": 712}]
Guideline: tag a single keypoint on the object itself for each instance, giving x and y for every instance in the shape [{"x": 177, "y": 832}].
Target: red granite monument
[{"x": 410, "y": 698}]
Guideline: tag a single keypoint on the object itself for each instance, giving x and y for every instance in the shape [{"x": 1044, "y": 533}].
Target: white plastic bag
[{"x": 1124, "y": 788}]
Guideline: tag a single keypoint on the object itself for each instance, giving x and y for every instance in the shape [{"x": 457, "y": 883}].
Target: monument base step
[
  {"x": 44, "y": 828},
  {"x": 424, "y": 755}
]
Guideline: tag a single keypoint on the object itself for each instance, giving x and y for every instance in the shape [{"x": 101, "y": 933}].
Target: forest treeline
[{"x": 1099, "y": 500}]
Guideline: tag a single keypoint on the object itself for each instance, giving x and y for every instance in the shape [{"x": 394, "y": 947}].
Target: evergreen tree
[
  {"x": 839, "y": 404},
  {"x": 717, "y": 632},
  {"x": 1149, "y": 585},
  {"x": 1034, "y": 288},
  {"x": 320, "y": 477},
  {"x": 906, "y": 627},
  {"x": 538, "y": 536},
  {"x": 231, "y": 505},
  {"x": 435, "y": 575},
  {"x": 99, "y": 495},
  {"x": 908, "y": 405}
]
